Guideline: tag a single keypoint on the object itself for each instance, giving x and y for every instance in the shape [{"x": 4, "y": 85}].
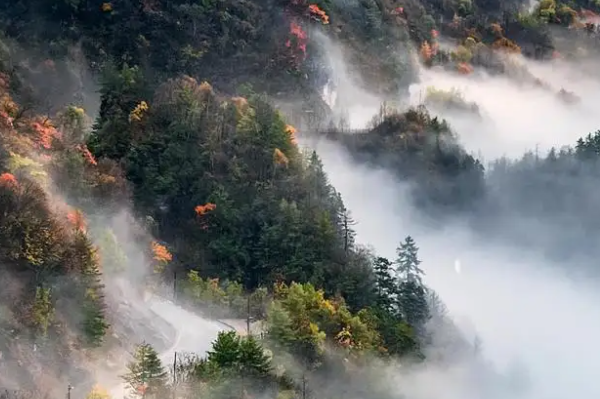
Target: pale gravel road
[{"x": 194, "y": 334}]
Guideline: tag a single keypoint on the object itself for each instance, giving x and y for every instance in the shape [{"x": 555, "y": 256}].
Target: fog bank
[
  {"x": 538, "y": 322},
  {"x": 517, "y": 117},
  {"x": 534, "y": 321}
]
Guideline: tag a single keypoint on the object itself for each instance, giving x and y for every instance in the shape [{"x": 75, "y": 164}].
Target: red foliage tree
[{"x": 8, "y": 180}]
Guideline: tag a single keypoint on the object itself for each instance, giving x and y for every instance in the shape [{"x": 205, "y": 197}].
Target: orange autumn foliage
[
  {"x": 291, "y": 131},
  {"x": 8, "y": 109},
  {"x": 161, "y": 253},
  {"x": 8, "y": 180},
  {"x": 46, "y": 133},
  {"x": 241, "y": 104},
  {"x": 427, "y": 51},
  {"x": 203, "y": 209},
  {"x": 89, "y": 157},
  {"x": 297, "y": 31},
  {"x": 497, "y": 29},
  {"x": 6, "y": 120},
  {"x": 76, "y": 219},
  {"x": 464, "y": 68},
  {"x": 316, "y": 12},
  {"x": 141, "y": 389},
  {"x": 279, "y": 157},
  {"x": 507, "y": 45},
  {"x": 301, "y": 40}
]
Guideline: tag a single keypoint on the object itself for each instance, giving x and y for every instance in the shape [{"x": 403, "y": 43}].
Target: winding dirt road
[{"x": 193, "y": 334}]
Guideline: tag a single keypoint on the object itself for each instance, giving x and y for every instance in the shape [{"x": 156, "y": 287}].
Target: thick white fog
[
  {"x": 525, "y": 312},
  {"x": 193, "y": 334},
  {"x": 517, "y": 117},
  {"x": 344, "y": 93},
  {"x": 534, "y": 321}
]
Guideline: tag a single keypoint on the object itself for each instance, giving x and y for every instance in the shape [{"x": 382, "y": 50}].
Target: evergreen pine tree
[
  {"x": 253, "y": 358},
  {"x": 407, "y": 262},
  {"x": 345, "y": 226},
  {"x": 42, "y": 312},
  {"x": 385, "y": 284},
  {"x": 319, "y": 188},
  {"x": 241, "y": 356},
  {"x": 94, "y": 324},
  {"x": 412, "y": 295},
  {"x": 147, "y": 377},
  {"x": 412, "y": 301}
]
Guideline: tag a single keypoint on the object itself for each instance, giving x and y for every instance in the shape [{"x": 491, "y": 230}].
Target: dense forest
[{"x": 168, "y": 110}]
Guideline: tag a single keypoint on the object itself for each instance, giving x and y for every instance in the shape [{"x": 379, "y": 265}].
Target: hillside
[
  {"x": 261, "y": 214},
  {"x": 142, "y": 150}
]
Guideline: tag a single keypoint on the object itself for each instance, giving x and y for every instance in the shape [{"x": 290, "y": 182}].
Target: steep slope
[{"x": 56, "y": 301}]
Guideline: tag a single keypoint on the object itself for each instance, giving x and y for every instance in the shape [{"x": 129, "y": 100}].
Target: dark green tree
[
  {"x": 94, "y": 323},
  {"x": 398, "y": 336},
  {"x": 386, "y": 286},
  {"x": 347, "y": 233},
  {"x": 239, "y": 356},
  {"x": 407, "y": 263},
  {"x": 122, "y": 90},
  {"x": 146, "y": 375},
  {"x": 412, "y": 295},
  {"x": 412, "y": 301}
]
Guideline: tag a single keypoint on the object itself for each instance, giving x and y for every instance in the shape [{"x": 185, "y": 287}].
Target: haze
[
  {"x": 517, "y": 117},
  {"x": 537, "y": 323}
]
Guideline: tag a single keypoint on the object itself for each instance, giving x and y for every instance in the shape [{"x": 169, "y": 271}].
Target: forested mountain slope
[{"x": 234, "y": 214}]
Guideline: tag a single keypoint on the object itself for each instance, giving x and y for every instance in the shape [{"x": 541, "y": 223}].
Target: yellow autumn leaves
[
  {"x": 278, "y": 156},
  {"x": 138, "y": 112},
  {"x": 161, "y": 256}
]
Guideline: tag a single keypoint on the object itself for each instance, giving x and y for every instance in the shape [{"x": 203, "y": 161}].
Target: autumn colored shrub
[
  {"x": 138, "y": 112},
  {"x": 507, "y": 45},
  {"x": 427, "y": 52},
  {"x": 87, "y": 155},
  {"x": 45, "y": 132},
  {"x": 464, "y": 68},
  {"x": 319, "y": 14},
  {"x": 77, "y": 220},
  {"x": 292, "y": 133},
  {"x": 202, "y": 210},
  {"x": 462, "y": 55},
  {"x": 279, "y": 157},
  {"x": 161, "y": 253},
  {"x": 497, "y": 30},
  {"x": 8, "y": 180},
  {"x": 297, "y": 43}
]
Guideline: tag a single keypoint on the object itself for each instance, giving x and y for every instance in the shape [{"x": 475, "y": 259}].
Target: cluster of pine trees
[
  {"x": 217, "y": 176},
  {"x": 222, "y": 182},
  {"x": 310, "y": 345}
]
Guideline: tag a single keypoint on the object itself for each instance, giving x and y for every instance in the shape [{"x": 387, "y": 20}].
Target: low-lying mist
[
  {"x": 138, "y": 314},
  {"x": 536, "y": 319},
  {"x": 520, "y": 111},
  {"x": 516, "y": 117},
  {"x": 537, "y": 324}
]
